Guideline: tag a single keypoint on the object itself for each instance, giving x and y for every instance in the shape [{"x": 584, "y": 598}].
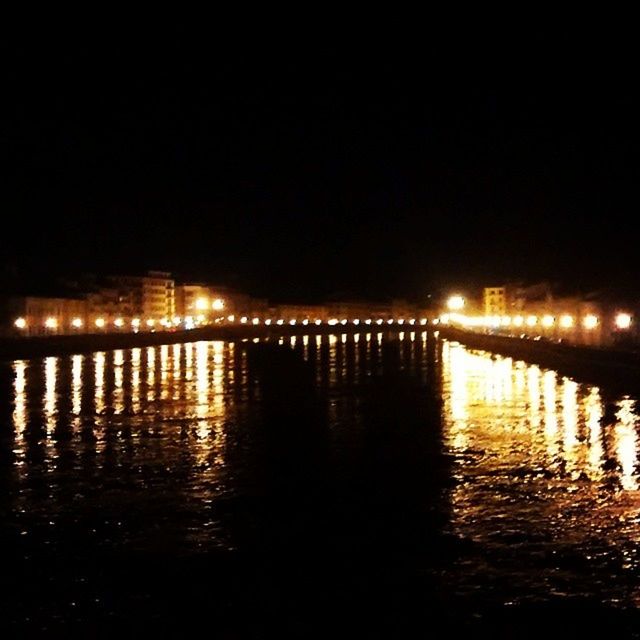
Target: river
[{"x": 373, "y": 481}]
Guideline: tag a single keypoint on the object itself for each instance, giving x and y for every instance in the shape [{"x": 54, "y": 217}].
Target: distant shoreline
[{"x": 24, "y": 348}]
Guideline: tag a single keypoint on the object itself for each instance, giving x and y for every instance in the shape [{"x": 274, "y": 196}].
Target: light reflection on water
[
  {"x": 543, "y": 466},
  {"x": 547, "y": 485}
]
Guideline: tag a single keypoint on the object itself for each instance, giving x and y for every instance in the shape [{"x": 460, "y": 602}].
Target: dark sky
[{"x": 304, "y": 169}]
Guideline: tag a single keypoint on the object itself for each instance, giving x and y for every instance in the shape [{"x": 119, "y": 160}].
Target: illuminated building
[
  {"x": 494, "y": 301},
  {"x": 151, "y": 296},
  {"x": 39, "y": 315}
]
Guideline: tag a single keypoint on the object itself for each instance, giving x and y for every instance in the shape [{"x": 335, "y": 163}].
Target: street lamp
[
  {"x": 455, "y": 303},
  {"x": 623, "y": 321}
]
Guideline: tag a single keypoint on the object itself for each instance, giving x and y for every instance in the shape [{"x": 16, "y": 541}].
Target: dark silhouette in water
[{"x": 293, "y": 420}]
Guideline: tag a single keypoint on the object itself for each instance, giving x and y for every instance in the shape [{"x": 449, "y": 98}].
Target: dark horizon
[{"x": 374, "y": 174}]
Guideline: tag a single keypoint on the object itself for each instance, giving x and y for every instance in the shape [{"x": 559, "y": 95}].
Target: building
[
  {"x": 193, "y": 299},
  {"x": 109, "y": 307},
  {"x": 494, "y": 301},
  {"x": 300, "y": 312},
  {"x": 150, "y": 297},
  {"x": 41, "y": 316}
]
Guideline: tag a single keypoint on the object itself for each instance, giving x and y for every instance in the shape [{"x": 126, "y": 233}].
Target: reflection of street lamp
[{"x": 455, "y": 303}]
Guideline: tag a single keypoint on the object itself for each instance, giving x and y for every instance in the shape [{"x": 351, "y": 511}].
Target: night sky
[{"x": 302, "y": 170}]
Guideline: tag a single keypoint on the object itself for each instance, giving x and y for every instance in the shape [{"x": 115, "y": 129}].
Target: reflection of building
[
  {"x": 151, "y": 296},
  {"x": 45, "y": 316}
]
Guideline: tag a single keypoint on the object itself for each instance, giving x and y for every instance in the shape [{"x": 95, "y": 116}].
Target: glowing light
[
  {"x": 267, "y": 321},
  {"x": 20, "y": 323},
  {"x": 367, "y": 321},
  {"x": 200, "y": 317},
  {"x": 76, "y": 322},
  {"x": 590, "y": 321},
  {"x": 333, "y": 322},
  {"x": 566, "y": 321},
  {"x": 280, "y": 321},
  {"x": 423, "y": 321},
  {"x": 119, "y": 322},
  {"x": 444, "y": 318},
  {"x": 343, "y": 321},
  {"x": 547, "y": 321},
  {"x": 356, "y": 322},
  {"x": 455, "y": 303},
  {"x": 255, "y": 321},
  {"x": 412, "y": 321},
  {"x": 135, "y": 322},
  {"x": 390, "y": 321},
  {"x": 401, "y": 321},
  {"x": 532, "y": 321},
  {"x": 231, "y": 318},
  {"x": 100, "y": 322},
  {"x": 51, "y": 323},
  {"x": 379, "y": 321},
  {"x": 505, "y": 321},
  {"x": 202, "y": 304},
  {"x": 305, "y": 321},
  {"x": 318, "y": 321},
  {"x": 189, "y": 323},
  {"x": 292, "y": 322},
  {"x": 217, "y": 304},
  {"x": 244, "y": 319},
  {"x": 150, "y": 322},
  {"x": 176, "y": 320},
  {"x": 623, "y": 321},
  {"x": 518, "y": 321}
]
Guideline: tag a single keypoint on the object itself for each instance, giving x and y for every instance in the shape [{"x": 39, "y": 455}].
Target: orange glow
[
  {"x": 590, "y": 321},
  {"x": 76, "y": 322},
  {"x": 119, "y": 322},
  {"x": 623, "y": 321},
  {"x": 51, "y": 323},
  {"x": 566, "y": 321},
  {"x": 100, "y": 323},
  {"x": 202, "y": 304},
  {"x": 455, "y": 303}
]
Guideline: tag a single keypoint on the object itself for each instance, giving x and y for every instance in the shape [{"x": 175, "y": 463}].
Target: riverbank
[
  {"x": 601, "y": 366},
  {"x": 41, "y": 346}
]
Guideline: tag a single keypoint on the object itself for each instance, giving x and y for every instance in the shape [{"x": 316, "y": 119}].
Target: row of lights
[
  {"x": 566, "y": 321},
  {"x": 77, "y": 323},
  {"x": 331, "y": 322},
  {"x": 190, "y": 322}
]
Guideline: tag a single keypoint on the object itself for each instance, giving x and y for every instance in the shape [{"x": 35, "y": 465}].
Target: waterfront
[{"x": 387, "y": 482}]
